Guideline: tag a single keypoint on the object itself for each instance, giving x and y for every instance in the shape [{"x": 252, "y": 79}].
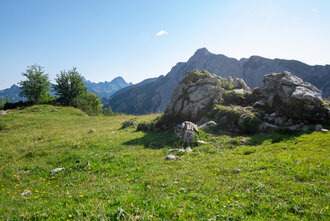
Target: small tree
[
  {"x": 37, "y": 85},
  {"x": 89, "y": 103},
  {"x": 69, "y": 85}
]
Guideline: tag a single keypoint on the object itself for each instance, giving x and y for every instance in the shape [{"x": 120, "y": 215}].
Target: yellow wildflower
[
  {"x": 327, "y": 207},
  {"x": 228, "y": 201},
  {"x": 128, "y": 179},
  {"x": 150, "y": 216},
  {"x": 69, "y": 215},
  {"x": 70, "y": 196},
  {"x": 237, "y": 195},
  {"x": 274, "y": 215},
  {"x": 81, "y": 195}
]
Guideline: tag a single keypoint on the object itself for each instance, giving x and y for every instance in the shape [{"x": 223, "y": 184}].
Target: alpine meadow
[{"x": 118, "y": 110}]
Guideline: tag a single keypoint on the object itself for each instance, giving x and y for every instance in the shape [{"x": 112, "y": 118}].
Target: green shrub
[
  {"x": 249, "y": 123},
  {"x": 89, "y": 103}
]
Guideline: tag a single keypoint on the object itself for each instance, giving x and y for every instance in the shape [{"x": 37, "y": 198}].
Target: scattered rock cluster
[
  {"x": 284, "y": 101},
  {"x": 128, "y": 123}
]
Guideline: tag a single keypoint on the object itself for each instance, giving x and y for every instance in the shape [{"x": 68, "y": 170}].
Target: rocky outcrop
[
  {"x": 199, "y": 91},
  {"x": 291, "y": 98},
  {"x": 284, "y": 101}
]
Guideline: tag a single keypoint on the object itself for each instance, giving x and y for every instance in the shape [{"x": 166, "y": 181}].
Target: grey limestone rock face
[
  {"x": 198, "y": 91},
  {"x": 290, "y": 95}
]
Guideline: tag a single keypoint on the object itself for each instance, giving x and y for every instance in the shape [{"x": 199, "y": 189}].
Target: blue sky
[{"x": 106, "y": 39}]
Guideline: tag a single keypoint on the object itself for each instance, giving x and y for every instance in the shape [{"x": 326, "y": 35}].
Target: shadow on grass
[
  {"x": 161, "y": 139},
  {"x": 275, "y": 137},
  {"x": 155, "y": 140}
]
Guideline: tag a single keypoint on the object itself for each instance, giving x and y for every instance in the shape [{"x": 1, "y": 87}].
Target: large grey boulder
[
  {"x": 197, "y": 92},
  {"x": 291, "y": 96},
  {"x": 3, "y": 112},
  {"x": 187, "y": 131}
]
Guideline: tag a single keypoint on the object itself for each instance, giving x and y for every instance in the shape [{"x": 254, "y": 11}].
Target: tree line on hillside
[{"x": 69, "y": 88}]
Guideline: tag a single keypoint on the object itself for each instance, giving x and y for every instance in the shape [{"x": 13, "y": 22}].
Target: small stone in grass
[
  {"x": 56, "y": 170},
  {"x": 177, "y": 150},
  {"x": 172, "y": 157},
  {"x": 201, "y": 142},
  {"x": 91, "y": 131},
  {"x": 324, "y": 131},
  {"x": 26, "y": 192},
  {"x": 86, "y": 165},
  {"x": 236, "y": 170}
]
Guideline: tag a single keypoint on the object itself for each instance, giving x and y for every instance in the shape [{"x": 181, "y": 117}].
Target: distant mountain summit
[
  {"x": 102, "y": 89},
  {"x": 106, "y": 88},
  {"x": 154, "y": 96},
  {"x": 12, "y": 93}
]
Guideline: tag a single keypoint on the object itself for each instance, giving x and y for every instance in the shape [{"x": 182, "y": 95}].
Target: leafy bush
[
  {"x": 89, "y": 103},
  {"x": 249, "y": 123}
]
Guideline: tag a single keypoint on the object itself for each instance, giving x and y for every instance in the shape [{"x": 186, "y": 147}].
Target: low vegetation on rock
[{"x": 285, "y": 102}]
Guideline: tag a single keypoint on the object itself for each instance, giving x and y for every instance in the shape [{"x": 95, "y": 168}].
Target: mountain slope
[
  {"x": 155, "y": 96},
  {"x": 12, "y": 93}
]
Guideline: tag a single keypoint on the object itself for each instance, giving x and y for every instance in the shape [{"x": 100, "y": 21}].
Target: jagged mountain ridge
[
  {"x": 102, "y": 89},
  {"x": 12, "y": 93},
  {"x": 106, "y": 88},
  {"x": 154, "y": 96}
]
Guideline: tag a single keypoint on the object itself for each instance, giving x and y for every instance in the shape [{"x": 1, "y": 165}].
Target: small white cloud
[
  {"x": 162, "y": 32},
  {"x": 315, "y": 10}
]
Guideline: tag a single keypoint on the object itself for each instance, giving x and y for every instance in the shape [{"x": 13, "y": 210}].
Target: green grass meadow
[{"x": 283, "y": 177}]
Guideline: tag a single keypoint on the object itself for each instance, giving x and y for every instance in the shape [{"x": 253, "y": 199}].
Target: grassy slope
[{"x": 283, "y": 177}]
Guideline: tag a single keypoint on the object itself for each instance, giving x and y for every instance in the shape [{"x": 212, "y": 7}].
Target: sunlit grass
[{"x": 282, "y": 177}]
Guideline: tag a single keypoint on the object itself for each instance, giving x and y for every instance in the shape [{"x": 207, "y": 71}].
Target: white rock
[
  {"x": 189, "y": 150},
  {"x": 208, "y": 125},
  {"x": 201, "y": 142},
  {"x": 172, "y": 157},
  {"x": 324, "y": 131},
  {"x": 177, "y": 150},
  {"x": 56, "y": 170},
  {"x": 25, "y": 192}
]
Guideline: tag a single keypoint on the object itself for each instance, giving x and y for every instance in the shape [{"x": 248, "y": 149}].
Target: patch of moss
[
  {"x": 224, "y": 83},
  {"x": 195, "y": 76},
  {"x": 249, "y": 123},
  {"x": 232, "y": 97}
]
